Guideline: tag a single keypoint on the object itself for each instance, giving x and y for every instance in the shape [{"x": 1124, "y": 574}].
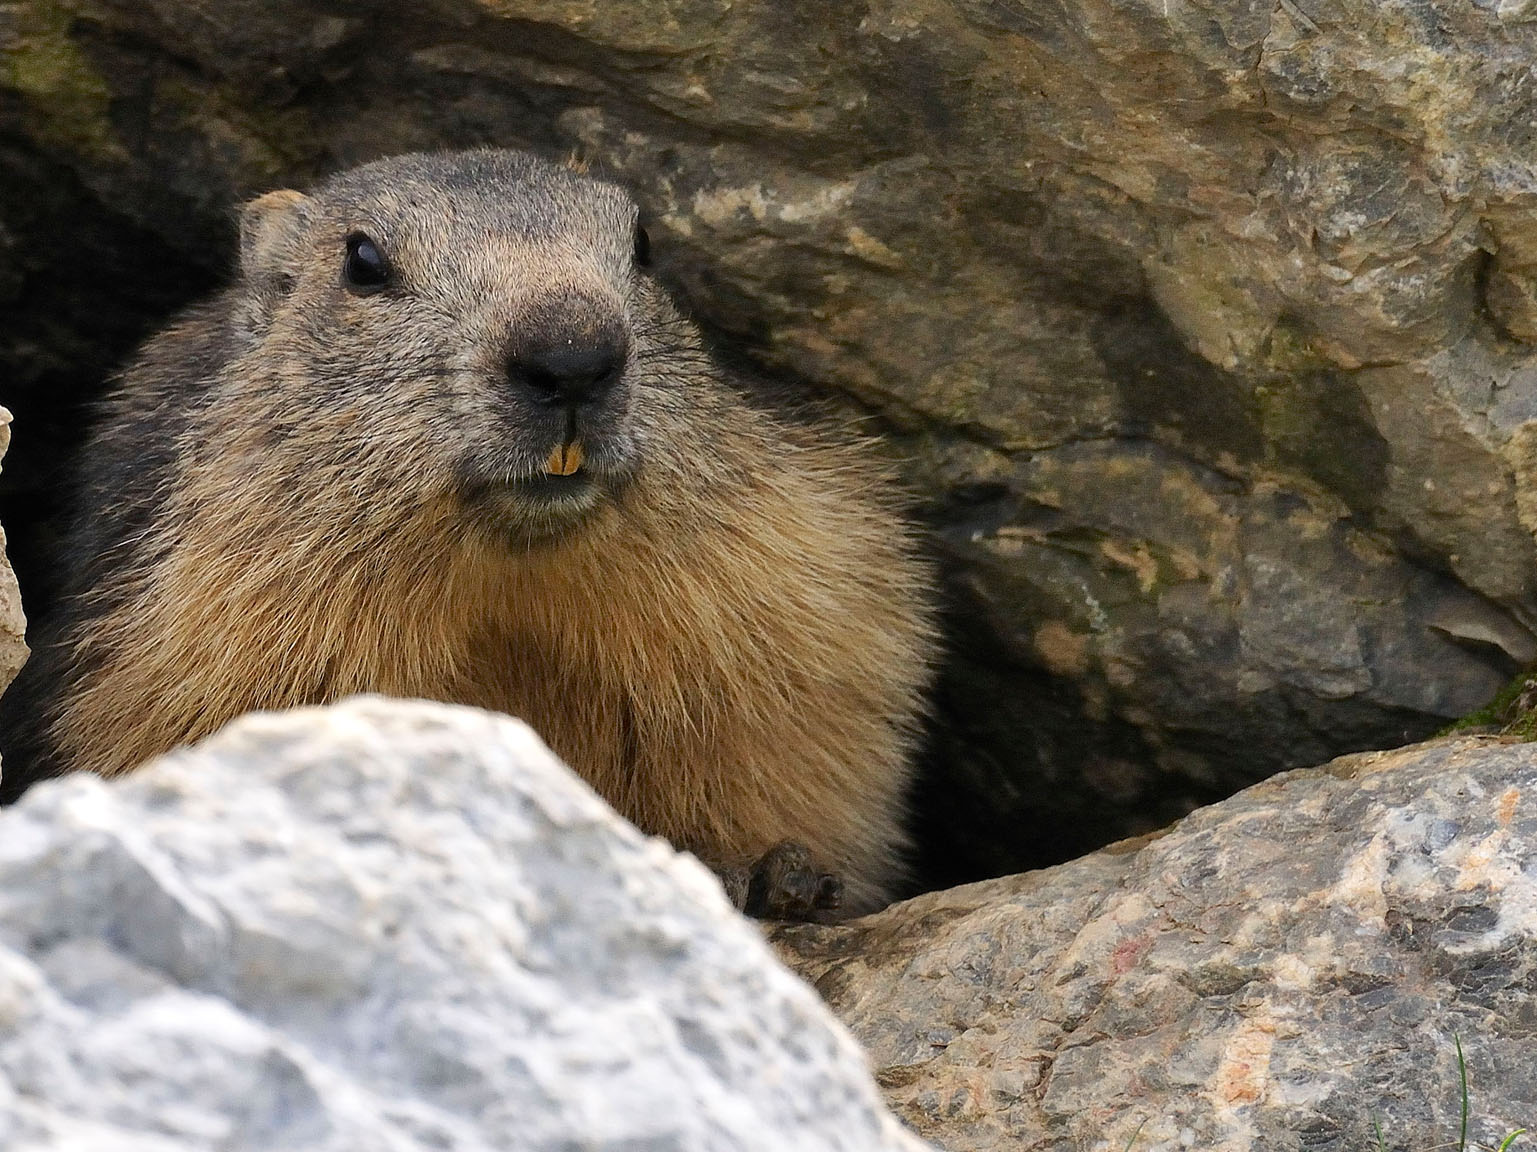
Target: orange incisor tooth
[{"x": 564, "y": 459}]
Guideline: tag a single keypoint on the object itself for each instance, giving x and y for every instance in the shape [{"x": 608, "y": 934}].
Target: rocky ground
[
  {"x": 1293, "y": 968},
  {"x": 1204, "y": 330}
]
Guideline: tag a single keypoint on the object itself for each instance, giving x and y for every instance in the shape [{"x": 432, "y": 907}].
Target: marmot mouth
[
  {"x": 537, "y": 505},
  {"x": 556, "y": 488}
]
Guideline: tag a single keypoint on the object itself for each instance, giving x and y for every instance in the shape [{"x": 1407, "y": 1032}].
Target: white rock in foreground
[{"x": 388, "y": 926}]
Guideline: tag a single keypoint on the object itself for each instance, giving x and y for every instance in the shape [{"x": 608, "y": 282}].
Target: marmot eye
[
  {"x": 366, "y": 269},
  {"x": 642, "y": 247}
]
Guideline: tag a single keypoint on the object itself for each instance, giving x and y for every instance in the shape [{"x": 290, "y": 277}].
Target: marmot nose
[{"x": 569, "y": 370}]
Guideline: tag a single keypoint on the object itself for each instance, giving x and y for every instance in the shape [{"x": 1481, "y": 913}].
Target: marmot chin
[{"x": 444, "y": 437}]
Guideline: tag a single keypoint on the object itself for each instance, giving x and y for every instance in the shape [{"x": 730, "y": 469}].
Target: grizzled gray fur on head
[{"x": 510, "y": 285}]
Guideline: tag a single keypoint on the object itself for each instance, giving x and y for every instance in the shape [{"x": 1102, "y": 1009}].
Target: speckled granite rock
[
  {"x": 1204, "y": 328},
  {"x": 1276, "y": 972},
  {"x": 390, "y": 926}
]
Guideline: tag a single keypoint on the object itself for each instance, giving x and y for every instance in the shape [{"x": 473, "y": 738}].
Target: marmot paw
[{"x": 785, "y": 884}]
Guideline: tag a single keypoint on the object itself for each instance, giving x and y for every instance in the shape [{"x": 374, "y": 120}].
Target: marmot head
[{"x": 474, "y": 325}]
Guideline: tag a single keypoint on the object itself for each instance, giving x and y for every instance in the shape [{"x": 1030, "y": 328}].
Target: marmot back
[{"x": 445, "y": 438}]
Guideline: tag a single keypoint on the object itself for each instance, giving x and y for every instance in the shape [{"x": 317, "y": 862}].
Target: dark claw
[{"x": 829, "y": 897}]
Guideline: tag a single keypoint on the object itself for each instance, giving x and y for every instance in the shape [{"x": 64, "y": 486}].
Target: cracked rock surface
[
  {"x": 1204, "y": 329},
  {"x": 1276, "y": 972},
  {"x": 386, "y": 927}
]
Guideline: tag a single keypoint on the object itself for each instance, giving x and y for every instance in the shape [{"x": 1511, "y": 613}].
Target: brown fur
[{"x": 730, "y": 648}]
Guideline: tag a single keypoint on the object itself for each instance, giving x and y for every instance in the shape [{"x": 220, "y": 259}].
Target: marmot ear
[{"x": 269, "y": 226}]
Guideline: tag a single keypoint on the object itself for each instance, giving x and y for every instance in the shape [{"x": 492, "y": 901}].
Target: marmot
[{"x": 445, "y": 437}]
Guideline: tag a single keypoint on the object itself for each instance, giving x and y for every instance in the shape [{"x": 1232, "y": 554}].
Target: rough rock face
[
  {"x": 13, "y": 624},
  {"x": 391, "y": 926},
  {"x": 1278, "y": 971},
  {"x": 1206, "y": 329}
]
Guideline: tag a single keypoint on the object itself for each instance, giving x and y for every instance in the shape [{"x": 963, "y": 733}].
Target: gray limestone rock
[
  {"x": 1286, "y": 970},
  {"x": 1203, "y": 329},
  {"x": 391, "y": 926}
]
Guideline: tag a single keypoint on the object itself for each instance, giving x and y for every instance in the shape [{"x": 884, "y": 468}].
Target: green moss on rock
[
  {"x": 1513, "y": 711},
  {"x": 69, "y": 99}
]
